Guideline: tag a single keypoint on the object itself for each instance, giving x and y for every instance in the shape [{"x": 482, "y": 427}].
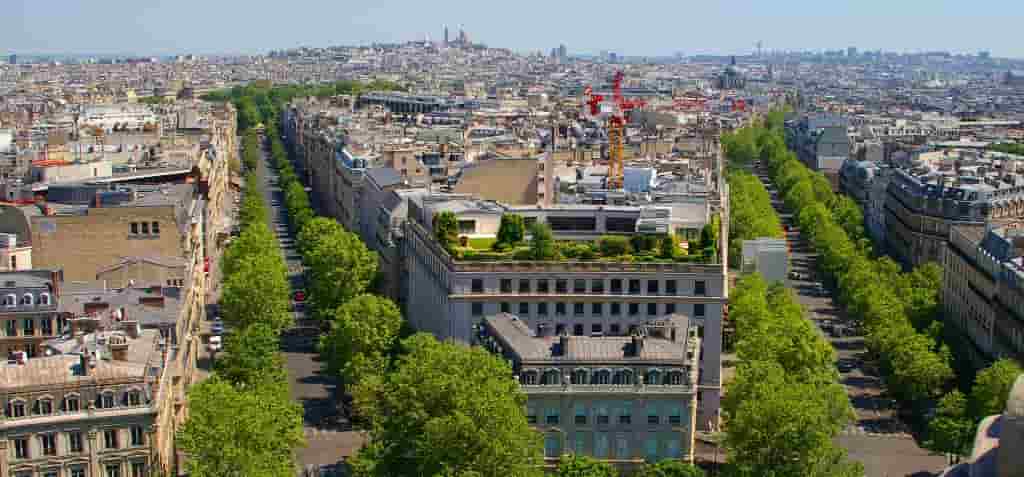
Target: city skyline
[{"x": 161, "y": 27}]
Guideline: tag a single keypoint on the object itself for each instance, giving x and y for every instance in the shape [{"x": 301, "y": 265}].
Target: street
[{"x": 877, "y": 438}]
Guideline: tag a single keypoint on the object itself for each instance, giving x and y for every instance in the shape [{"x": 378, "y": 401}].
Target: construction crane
[{"x": 616, "y": 124}]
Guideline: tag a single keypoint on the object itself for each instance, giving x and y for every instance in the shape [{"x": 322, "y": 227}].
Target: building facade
[
  {"x": 626, "y": 400},
  {"x": 29, "y": 309}
]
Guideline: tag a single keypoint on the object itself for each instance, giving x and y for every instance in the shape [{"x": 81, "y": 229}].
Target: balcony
[{"x": 553, "y": 389}]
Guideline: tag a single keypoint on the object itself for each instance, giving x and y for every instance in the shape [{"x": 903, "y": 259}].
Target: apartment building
[
  {"x": 983, "y": 290},
  {"x": 30, "y": 310},
  {"x": 447, "y": 296},
  {"x": 625, "y": 400}
]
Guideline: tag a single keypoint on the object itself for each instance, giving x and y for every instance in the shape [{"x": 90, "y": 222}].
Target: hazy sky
[{"x": 637, "y": 27}]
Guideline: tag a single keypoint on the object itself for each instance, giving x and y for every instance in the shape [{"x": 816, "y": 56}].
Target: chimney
[
  {"x": 563, "y": 344},
  {"x": 118, "y": 345}
]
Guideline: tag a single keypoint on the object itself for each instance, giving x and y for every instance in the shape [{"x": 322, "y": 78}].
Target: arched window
[
  {"x": 579, "y": 376},
  {"x": 10, "y": 300},
  {"x": 27, "y": 299},
  {"x": 603, "y": 376},
  {"x": 653, "y": 377},
  {"x": 550, "y": 377},
  {"x": 529, "y": 378},
  {"x": 44, "y": 298},
  {"x": 623, "y": 377}
]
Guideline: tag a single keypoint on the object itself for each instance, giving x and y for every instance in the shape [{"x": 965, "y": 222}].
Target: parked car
[{"x": 216, "y": 344}]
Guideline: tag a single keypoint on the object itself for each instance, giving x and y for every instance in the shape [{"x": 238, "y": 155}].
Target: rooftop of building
[
  {"x": 665, "y": 341},
  {"x": 151, "y": 306}
]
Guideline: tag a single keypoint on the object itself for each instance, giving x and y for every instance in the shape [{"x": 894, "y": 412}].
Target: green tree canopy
[
  {"x": 363, "y": 331},
  {"x": 234, "y": 433},
  {"x": 991, "y": 388},
  {"x": 340, "y": 267},
  {"x": 951, "y": 431},
  {"x": 446, "y": 230},
  {"x": 542, "y": 242},
  {"x": 511, "y": 231},
  {"x": 315, "y": 230},
  {"x": 447, "y": 409},
  {"x": 251, "y": 356},
  {"x": 257, "y": 292},
  {"x": 670, "y": 468},
  {"x": 571, "y": 465}
]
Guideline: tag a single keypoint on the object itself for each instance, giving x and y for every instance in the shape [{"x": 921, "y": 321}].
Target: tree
[
  {"x": 668, "y": 247},
  {"x": 613, "y": 245},
  {"x": 446, "y": 230},
  {"x": 257, "y": 292},
  {"x": 670, "y": 468},
  {"x": 446, "y": 409},
  {"x": 951, "y": 431},
  {"x": 571, "y": 465},
  {"x": 340, "y": 267},
  {"x": 363, "y": 331},
  {"x": 991, "y": 388},
  {"x": 251, "y": 356},
  {"x": 511, "y": 231},
  {"x": 240, "y": 433},
  {"x": 542, "y": 242},
  {"x": 315, "y": 230}
]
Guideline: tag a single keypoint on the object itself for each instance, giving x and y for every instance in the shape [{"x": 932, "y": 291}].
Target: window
[
  {"x": 698, "y": 309},
  {"x": 505, "y": 307},
  {"x": 49, "y": 443},
  {"x": 542, "y": 286},
  {"x": 12, "y": 327},
  {"x": 467, "y": 226},
  {"x": 634, "y": 287},
  {"x": 506, "y": 285},
  {"x": 155, "y": 228},
  {"x": 601, "y": 445},
  {"x": 579, "y": 286},
  {"x": 579, "y": 376},
  {"x": 597, "y": 309},
  {"x": 596, "y": 329},
  {"x": 550, "y": 377},
  {"x": 560, "y": 309},
  {"x": 529, "y": 378},
  {"x": 616, "y": 286},
  {"x": 51, "y": 473},
  {"x": 623, "y": 377},
  {"x": 477, "y": 309},
  {"x": 135, "y": 228},
  {"x": 603, "y": 377},
  {"x": 597, "y": 286},
  {"x": 559, "y": 329},
  {"x": 477, "y": 285},
  {"x": 670, "y": 308},
  {"x": 138, "y": 469},
  {"x": 61, "y": 324},
  {"x": 580, "y": 414},
  {"x": 134, "y": 397},
  {"x": 652, "y": 287},
  {"x": 622, "y": 448},
  {"x": 672, "y": 448},
  {"x": 542, "y": 309},
  {"x": 145, "y": 228},
  {"x": 137, "y": 436},
  {"x": 675, "y": 415},
  {"x": 626, "y": 413},
  {"x": 652, "y": 415},
  {"x": 670, "y": 287},
  {"x": 106, "y": 400},
  {"x": 27, "y": 299},
  {"x": 578, "y": 309},
  {"x": 634, "y": 309},
  {"x": 577, "y": 329},
  {"x": 75, "y": 442},
  {"x": 652, "y": 377},
  {"x": 16, "y": 409},
  {"x": 77, "y": 472},
  {"x": 616, "y": 309},
  {"x": 675, "y": 378},
  {"x": 29, "y": 325},
  {"x": 531, "y": 415},
  {"x": 113, "y": 470},
  {"x": 651, "y": 449},
  {"x": 44, "y": 407},
  {"x": 552, "y": 446},
  {"x": 551, "y": 416},
  {"x": 700, "y": 288},
  {"x": 615, "y": 329},
  {"x": 579, "y": 444},
  {"x": 47, "y": 326},
  {"x": 14, "y": 262},
  {"x": 110, "y": 438},
  {"x": 561, "y": 286},
  {"x": 21, "y": 448},
  {"x": 70, "y": 404},
  {"x": 652, "y": 309},
  {"x": 602, "y": 414},
  {"x": 524, "y": 286},
  {"x": 524, "y": 308}
]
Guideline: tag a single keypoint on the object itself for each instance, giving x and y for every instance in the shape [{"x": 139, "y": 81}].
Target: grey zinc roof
[
  {"x": 384, "y": 176},
  {"x": 529, "y": 347}
]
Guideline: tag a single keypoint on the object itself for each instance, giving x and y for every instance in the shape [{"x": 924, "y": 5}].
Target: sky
[{"x": 638, "y": 27}]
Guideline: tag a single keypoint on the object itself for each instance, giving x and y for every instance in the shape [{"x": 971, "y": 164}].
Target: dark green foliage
[
  {"x": 614, "y": 245},
  {"x": 571, "y": 465},
  {"x": 446, "y": 230},
  {"x": 542, "y": 242},
  {"x": 511, "y": 231}
]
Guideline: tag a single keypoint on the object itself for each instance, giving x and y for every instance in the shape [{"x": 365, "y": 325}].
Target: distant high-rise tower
[
  {"x": 13, "y": 59},
  {"x": 446, "y": 35},
  {"x": 563, "y": 52}
]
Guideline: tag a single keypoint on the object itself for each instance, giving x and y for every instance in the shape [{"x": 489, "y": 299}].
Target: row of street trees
[
  {"x": 242, "y": 421},
  {"x": 751, "y": 215},
  {"x": 785, "y": 405}
]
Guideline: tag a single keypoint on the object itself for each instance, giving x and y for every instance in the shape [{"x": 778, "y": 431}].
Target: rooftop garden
[{"x": 513, "y": 244}]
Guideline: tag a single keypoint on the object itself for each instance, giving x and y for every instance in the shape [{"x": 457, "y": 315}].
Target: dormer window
[
  {"x": 105, "y": 400},
  {"x": 16, "y": 408},
  {"x": 134, "y": 397},
  {"x": 43, "y": 407},
  {"x": 44, "y": 298},
  {"x": 27, "y": 300},
  {"x": 10, "y": 300},
  {"x": 70, "y": 403}
]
